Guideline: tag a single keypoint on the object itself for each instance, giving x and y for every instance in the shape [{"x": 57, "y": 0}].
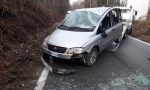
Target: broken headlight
[{"x": 75, "y": 51}]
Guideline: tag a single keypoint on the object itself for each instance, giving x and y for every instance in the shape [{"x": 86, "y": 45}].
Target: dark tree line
[
  {"x": 95, "y": 3},
  {"x": 21, "y": 18}
]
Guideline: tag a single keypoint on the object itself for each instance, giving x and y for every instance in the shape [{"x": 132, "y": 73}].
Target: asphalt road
[{"x": 128, "y": 68}]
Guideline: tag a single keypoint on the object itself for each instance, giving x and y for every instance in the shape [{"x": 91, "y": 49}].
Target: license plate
[{"x": 55, "y": 54}]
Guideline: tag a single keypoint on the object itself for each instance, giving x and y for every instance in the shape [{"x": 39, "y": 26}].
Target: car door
[
  {"x": 117, "y": 25},
  {"x": 105, "y": 31}
]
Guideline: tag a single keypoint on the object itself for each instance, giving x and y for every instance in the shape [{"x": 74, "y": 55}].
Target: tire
[
  {"x": 90, "y": 58},
  {"x": 119, "y": 39}
]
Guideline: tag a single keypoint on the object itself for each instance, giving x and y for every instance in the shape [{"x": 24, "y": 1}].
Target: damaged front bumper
[
  {"x": 46, "y": 59},
  {"x": 61, "y": 55}
]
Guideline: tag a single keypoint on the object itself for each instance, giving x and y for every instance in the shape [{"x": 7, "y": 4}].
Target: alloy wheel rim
[{"x": 93, "y": 57}]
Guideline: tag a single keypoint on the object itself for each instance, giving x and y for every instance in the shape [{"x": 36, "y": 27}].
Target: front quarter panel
[{"x": 91, "y": 43}]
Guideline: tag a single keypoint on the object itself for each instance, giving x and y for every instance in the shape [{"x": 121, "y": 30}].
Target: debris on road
[
  {"x": 133, "y": 82},
  {"x": 142, "y": 80},
  {"x": 61, "y": 71},
  {"x": 64, "y": 71}
]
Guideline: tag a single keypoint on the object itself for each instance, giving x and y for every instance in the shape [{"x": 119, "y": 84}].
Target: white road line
[
  {"x": 42, "y": 79},
  {"x": 139, "y": 40}
]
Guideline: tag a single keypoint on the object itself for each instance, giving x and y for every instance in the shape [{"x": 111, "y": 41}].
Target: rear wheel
[{"x": 90, "y": 58}]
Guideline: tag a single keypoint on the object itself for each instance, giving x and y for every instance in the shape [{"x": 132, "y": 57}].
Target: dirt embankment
[
  {"x": 23, "y": 26},
  {"x": 141, "y": 29}
]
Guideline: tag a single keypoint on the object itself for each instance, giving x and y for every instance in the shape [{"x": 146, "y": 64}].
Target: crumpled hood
[{"x": 69, "y": 39}]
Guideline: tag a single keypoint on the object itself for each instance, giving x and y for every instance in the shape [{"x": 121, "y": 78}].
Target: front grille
[{"x": 56, "y": 48}]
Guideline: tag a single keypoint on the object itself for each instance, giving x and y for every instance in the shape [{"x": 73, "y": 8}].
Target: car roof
[
  {"x": 123, "y": 7},
  {"x": 98, "y": 10}
]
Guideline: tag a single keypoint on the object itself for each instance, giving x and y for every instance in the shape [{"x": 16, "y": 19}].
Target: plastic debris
[
  {"x": 142, "y": 80},
  {"x": 132, "y": 82}
]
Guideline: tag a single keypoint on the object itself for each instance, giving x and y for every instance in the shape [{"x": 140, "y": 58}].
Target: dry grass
[
  {"x": 22, "y": 29},
  {"x": 20, "y": 20},
  {"x": 141, "y": 29}
]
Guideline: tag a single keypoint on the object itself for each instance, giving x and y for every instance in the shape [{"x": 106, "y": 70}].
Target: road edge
[
  {"x": 42, "y": 79},
  {"x": 139, "y": 40}
]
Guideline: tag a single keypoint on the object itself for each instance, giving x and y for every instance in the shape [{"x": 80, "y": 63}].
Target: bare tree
[{"x": 96, "y": 3}]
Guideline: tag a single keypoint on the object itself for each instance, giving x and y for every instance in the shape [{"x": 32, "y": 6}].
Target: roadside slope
[{"x": 23, "y": 25}]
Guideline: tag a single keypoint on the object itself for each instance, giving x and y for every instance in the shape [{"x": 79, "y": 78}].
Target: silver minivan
[{"x": 85, "y": 33}]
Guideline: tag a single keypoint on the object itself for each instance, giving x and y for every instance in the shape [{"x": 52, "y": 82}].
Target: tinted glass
[
  {"x": 115, "y": 17},
  {"x": 106, "y": 23}
]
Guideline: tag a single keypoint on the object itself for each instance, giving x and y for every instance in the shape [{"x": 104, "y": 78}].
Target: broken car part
[{"x": 52, "y": 69}]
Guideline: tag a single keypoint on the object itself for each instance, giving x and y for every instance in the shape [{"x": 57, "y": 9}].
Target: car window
[
  {"x": 119, "y": 15},
  {"x": 115, "y": 17},
  {"x": 106, "y": 22},
  {"x": 81, "y": 19}
]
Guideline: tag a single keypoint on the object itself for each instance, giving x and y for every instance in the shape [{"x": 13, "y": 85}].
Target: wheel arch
[{"x": 95, "y": 46}]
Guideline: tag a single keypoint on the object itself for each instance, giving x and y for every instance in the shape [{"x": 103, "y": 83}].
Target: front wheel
[{"x": 90, "y": 58}]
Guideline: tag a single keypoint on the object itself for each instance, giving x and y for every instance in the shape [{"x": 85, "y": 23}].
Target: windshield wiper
[
  {"x": 63, "y": 27},
  {"x": 79, "y": 28}
]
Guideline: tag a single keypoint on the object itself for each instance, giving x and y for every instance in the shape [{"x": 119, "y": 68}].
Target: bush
[
  {"x": 20, "y": 19},
  {"x": 141, "y": 29}
]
